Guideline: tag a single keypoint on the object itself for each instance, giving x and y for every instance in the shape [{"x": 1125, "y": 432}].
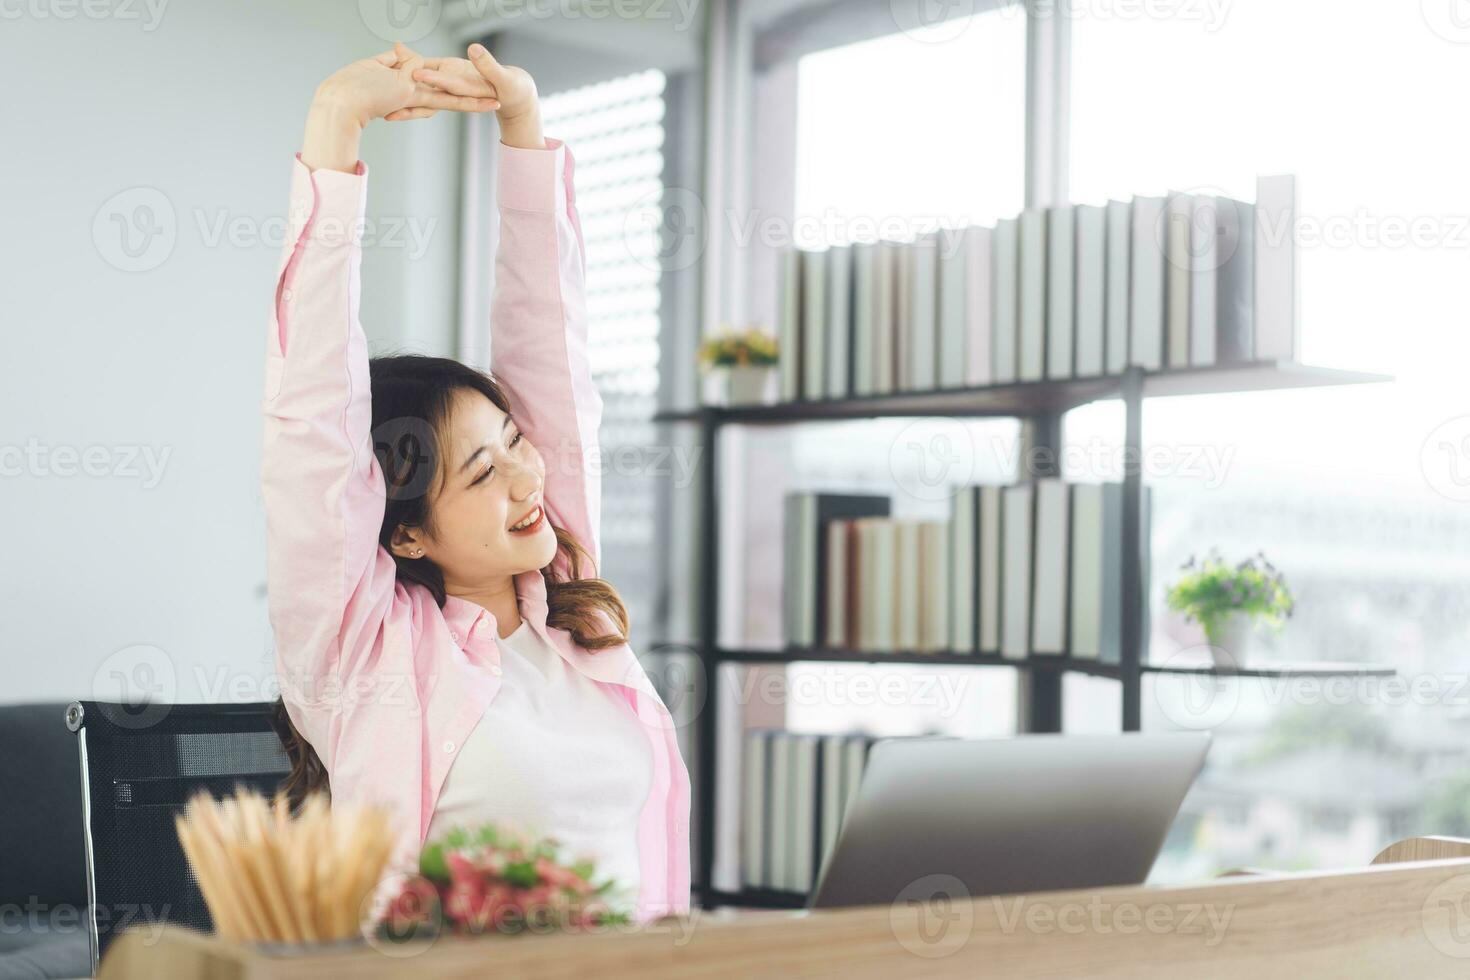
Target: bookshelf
[{"x": 1040, "y": 404}]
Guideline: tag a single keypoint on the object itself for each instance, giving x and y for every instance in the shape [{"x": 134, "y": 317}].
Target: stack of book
[
  {"x": 1075, "y": 291},
  {"x": 1030, "y": 569},
  {"x": 797, "y": 790}
]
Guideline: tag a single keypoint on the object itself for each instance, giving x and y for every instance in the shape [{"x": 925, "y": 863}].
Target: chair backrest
[
  {"x": 140, "y": 764},
  {"x": 41, "y": 816}
]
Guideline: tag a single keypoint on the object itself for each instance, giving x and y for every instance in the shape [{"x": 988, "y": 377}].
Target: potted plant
[
  {"x": 739, "y": 367},
  {"x": 1231, "y": 602}
]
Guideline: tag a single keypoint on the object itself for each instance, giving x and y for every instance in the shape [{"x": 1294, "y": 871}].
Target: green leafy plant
[
  {"x": 752, "y": 347},
  {"x": 1212, "y": 589}
]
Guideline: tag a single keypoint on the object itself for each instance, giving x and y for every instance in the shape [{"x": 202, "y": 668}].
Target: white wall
[{"x": 199, "y": 109}]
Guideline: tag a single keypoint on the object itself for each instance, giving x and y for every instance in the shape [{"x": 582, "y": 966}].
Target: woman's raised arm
[
  {"x": 330, "y": 585},
  {"x": 538, "y": 313}
]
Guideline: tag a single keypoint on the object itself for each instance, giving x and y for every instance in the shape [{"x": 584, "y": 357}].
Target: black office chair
[{"x": 140, "y": 764}]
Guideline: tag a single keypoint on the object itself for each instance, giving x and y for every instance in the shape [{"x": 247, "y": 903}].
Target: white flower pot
[
  {"x": 1236, "y": 641},
  {"x": 740, "y": 385}
]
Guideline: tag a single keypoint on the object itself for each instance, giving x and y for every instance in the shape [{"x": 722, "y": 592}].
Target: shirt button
[
  {"x": 495, "y": 669},
  {"x": 454, "y": 635},
  {"x": 448, "y": 746},
  {"x": 286, "y": 295}
]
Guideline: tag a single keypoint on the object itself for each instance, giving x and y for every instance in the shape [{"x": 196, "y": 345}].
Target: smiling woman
[{"x": 447, "y": 579}]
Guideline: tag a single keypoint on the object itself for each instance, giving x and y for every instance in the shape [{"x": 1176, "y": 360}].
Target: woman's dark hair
[{"x": 411, "y": 399}]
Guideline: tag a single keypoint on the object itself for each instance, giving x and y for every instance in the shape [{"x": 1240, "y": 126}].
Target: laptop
[{"x": 1001, "y": 816}]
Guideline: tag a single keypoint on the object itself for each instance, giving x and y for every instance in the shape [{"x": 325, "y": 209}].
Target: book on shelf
[
  {"x": 921, "y": 292},
  {"x": 878, "y": 617},
  {"x": 1070, "y": 291},
  {"x": 1096, "y": 602},
  {"x": 1017, "y": 523},
  {"x": 813, "y": 326},
  {"x": 1120, "y": 281},
  {"x": 953, "y": 305},
  {"x": 933, "y": 586},
  {"x": 1031, "y": 352},
  {"x": 963, "y": 565},
  {"x": 1090, "y": 293},
  {"x": 778, "y": 796},
  {"x": 755, "y": 807},
  {"x": 1005, "y": 322},
  {"x": 979, "y": 303},
  {"x": 805, "y": 549},
  {"x": 905, "y": 583},
  {"x": 864, "y": 312},
  {"x": 886, "y": 325},
  {"x": 1277, "y": 296},
  {"x": 839, "y": 322},
  {"x": 1178, "y": 213},
  {"x": 802, "y": 843},
  {"x": 1222, "y": 297},
  {"x": 1061, "y": 285},
  {"x": 989, "y": 568},
  {"x": 788, "y": 323},
  {"x": 1148, "y": 278},
  {"x": 796, "y": 790},
  {"x": 1049, "y": 596}
]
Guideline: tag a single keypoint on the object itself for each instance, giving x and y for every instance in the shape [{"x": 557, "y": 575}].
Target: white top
[{"x": 554, "y": 755}]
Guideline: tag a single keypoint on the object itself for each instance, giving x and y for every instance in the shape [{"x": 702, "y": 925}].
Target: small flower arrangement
[
  {"x": 1212, "y": 589},
  {"x": 493, "y": 880},
  {"x": 752, "y": 347}
]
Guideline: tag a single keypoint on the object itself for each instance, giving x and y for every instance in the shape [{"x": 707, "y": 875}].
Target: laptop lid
[{"x": 1031, "y": 813}]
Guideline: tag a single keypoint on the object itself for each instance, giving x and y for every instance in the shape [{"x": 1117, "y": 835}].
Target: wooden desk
[{"x": 1389, "y": 920}]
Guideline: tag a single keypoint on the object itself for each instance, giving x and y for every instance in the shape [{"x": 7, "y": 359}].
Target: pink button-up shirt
[{"x": 384, "y": 684}]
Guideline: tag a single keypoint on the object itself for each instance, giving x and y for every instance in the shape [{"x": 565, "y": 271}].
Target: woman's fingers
[
  {"x": 435, "y": 99},
  {"x": 416, "y": 112},
  {"x": 454, "y": 83},
  {"x": 485, "y": 64},
  {"x": 388, "y": 58},
  {"x": 409, "y": 60}
]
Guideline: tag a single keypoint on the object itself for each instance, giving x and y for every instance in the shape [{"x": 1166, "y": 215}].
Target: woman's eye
[{"x": 516, "y": 440}]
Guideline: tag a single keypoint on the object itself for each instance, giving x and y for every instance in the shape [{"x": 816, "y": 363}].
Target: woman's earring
[{"x": 418, "y": 552}]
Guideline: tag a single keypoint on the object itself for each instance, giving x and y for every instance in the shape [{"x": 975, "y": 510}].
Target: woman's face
[{"x": 491, "y": 479}]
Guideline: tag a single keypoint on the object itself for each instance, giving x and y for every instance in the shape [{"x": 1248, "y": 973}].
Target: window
[
  {"x": 616, "y": 130},
  {"x": 1371, "y": 532}
]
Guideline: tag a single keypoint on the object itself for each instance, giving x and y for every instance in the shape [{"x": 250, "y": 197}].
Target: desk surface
[{"x": 1389, "y": 921}]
